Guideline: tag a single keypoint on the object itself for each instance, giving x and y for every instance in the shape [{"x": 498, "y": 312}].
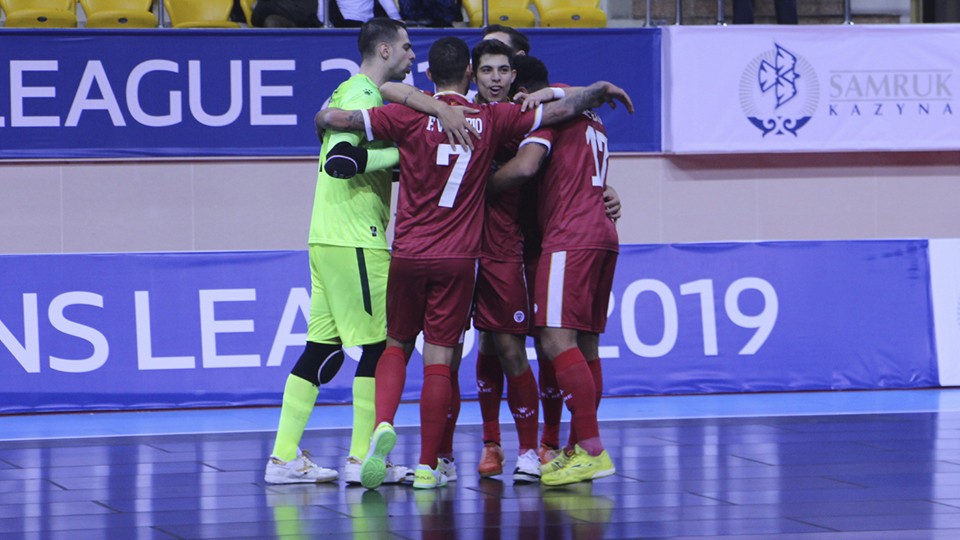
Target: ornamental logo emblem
[
  {"x": 779, "y": 92},
  {"x": 519, "y": 317},
  {"x": 524, "y": 412}
]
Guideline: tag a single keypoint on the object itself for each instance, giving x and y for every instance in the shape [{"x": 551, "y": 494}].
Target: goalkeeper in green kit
[{"x": 349, "y": 262}]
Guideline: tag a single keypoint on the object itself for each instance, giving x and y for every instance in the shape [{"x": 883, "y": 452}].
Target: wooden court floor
[{"x": 876, "y": 475}]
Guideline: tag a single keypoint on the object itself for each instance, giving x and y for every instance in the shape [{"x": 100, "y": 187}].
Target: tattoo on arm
[
  {"x": 355, "y": 119},
  {"x": 339, "y": 119},
  {"x": 582, "y": 101},
  {"x": 573, "y": 104}
]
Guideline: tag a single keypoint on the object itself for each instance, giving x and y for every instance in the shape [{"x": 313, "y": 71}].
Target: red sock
[
  {"x": 572, "y": 439},
  {"x": 446, "y": 444},
  {"x": 490, "y": 394},
  {"x": 552, "y": 401},
  {"x": 597, "y": 372},
  {"x": 523, "y": 398},
  {"x": 391, "y": 375},
  {"x": 579, "y": 392},
  {"x": 434, "y": 404}
]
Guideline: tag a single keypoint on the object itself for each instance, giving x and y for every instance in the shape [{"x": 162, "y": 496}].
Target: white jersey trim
[
  {"x": 368, "y": 129},
  {"x": 537, "y": 118},
  {"x": 538, "y": 140},
  {"x": 558, "y": 266}
]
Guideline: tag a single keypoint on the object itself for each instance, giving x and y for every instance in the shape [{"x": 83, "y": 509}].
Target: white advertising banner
[
  {"x": 811, "y": 88},
  {"x": 945, "y": 296}
]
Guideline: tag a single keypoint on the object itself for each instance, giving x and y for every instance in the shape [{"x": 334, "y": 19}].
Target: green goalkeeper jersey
[{"x": 354, "y": 212}]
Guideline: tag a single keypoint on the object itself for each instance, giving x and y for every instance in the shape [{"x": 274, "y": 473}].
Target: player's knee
[
  {"x": 367, "y": 367},
  {"x": 514, "y": 363},
  {"x": 517, "y": 369},
  {"x": 485, "y": 343},
  {"x": 319, "y": 362},
  {"x": 555, "y": 342}
]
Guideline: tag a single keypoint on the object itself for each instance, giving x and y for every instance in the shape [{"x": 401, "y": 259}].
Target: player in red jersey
[
  {"x": 501, "y": 306},
  {"x": 575, "y": 273},
  {"x": 502, "y": 315},
  {"x": 437, "y": 235}
]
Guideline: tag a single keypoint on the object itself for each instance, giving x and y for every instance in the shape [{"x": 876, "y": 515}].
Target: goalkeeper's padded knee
[
  {"x": 319, "y": 362},
  {"x": 345, "y": 161}
]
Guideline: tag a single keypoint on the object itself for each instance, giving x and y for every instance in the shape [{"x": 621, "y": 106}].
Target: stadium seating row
[
  {"x": 553, "y": 13},
  {"x": 119, "y": 13},
  {"x": 216, "y": 13}
]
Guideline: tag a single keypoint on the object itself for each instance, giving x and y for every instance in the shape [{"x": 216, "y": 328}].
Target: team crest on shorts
[{"x": 519, "y": 316}]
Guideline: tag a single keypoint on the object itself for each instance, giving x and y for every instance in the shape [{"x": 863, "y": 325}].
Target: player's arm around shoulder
[
  {"x": 592, "y": 96},
  {"x": 334, "y": 118},
  {"x": 520, "y": 168},
  {"x": 530, "y": 100},
  {"x": 453, "y": 119}
]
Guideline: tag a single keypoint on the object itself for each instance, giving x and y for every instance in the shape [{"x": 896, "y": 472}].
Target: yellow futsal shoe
[
  {"x": 581, "y": 467},
  {"x": 428, "y": 478},
  {"x": 555, "y": 464},
  {"x": 374, "y": 469}
]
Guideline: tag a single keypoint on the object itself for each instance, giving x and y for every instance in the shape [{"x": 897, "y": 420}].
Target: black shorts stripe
[{"x": 364, "y": 282}]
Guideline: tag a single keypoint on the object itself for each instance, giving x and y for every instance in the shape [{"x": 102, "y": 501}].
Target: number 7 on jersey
[{"x": 450, "y": 189}]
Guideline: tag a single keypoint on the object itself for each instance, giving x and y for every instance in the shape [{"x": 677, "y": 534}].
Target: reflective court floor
[{"x": 837, "y": 465}]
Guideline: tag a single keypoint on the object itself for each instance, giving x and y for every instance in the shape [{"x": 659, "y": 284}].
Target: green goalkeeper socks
[
  {"x": 364, "y": 415},
  {"x": 299, "y": 397}
]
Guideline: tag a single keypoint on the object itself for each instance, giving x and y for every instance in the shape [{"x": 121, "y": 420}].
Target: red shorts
[
  {"x": 530, "y": 270},
  {"x": 501, "y": 302},
  {"x": 572, "y": 289},
  {"x": 432, "y": 295}
]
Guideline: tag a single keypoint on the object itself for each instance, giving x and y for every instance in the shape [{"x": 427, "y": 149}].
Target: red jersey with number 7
[
  {"x": 442, "y": 186},
  {"x": 570, "y": 209}
]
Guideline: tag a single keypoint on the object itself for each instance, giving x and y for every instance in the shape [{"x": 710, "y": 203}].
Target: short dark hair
[
  {"x": 491, "y": 46},
  {"x": 518, "y": 41},
  {"x": 376, "y": 31},
  {"x": 449, "y": 58},
  {"x": 531, "y": 74}
]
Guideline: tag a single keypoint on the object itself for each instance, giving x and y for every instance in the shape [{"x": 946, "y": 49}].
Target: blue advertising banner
[
  {"x": 99, "y": 93},
  {"x": 139, "y": 331},
  {"x": 772, "y": 316}
]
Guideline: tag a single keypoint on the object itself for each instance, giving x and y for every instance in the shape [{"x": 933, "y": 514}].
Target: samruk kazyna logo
[{"x": 779, "y": 92}]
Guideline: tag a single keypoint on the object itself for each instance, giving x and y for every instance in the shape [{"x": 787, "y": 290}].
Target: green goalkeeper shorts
[{"x": 348, "y": 295}]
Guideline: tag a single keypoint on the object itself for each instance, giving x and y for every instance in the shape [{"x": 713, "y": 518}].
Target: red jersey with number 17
[
  {"x": 442, "y": 186},
  {"x": 570, "y": 208}
]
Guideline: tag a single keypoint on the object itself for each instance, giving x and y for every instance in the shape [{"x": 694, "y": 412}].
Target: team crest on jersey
[
  {"x": 519, "y": 316},
  {"x": 373, "y": 231}
]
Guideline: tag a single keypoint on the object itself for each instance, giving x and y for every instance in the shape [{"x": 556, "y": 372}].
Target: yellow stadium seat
[
  {"x": 514, "y": 13},
  {"x": 571, "y": 13},
  {"x": 119, "y": 13},
  {"x": 200, "y": 13},
  {"x": 40, "y": 13}
]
